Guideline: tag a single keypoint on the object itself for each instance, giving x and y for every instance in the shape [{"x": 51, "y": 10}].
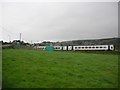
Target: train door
[
  {"x": 69, "y": 47},
  {"x": 64, "y": 48}
]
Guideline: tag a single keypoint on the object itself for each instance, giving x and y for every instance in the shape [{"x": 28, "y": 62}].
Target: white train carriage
[
  {"x": 66, "y": 48},
  {"x": 75, "y": 48},
  {"x": 94, "y": 47},
  {"x": 41, "y": 47},
  {"x": 57, "y": 47}
]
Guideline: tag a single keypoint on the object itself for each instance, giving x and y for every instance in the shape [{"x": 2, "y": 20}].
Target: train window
[
  {"x": 104, "y": 47},
  {"x": 89, "y": 47},
  {"x": 96, "y": 47},
  {"x": 100, "y": 47},
  {"x": 85, "y": 47},
  {"x": 82, "y": 47},
  {"x": 75, "y": 47},
  {"x": 93, "y": 47},
  {"x": 79, "y": 47}
]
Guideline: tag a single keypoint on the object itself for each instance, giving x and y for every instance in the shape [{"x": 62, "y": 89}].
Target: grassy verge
[{"x": 42, "y": 69}]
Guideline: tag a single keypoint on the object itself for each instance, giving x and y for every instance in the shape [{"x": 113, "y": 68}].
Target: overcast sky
[{"x": 59, "y": 21}]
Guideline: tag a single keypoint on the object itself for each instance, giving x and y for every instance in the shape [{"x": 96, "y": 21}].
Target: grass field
[{"x": 57, "y": 69}]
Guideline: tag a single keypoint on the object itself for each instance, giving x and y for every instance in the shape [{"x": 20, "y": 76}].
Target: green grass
[{"x": 45, "y": 69}]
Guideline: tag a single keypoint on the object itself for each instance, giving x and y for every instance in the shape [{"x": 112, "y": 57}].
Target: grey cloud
[{"x": 60, "y": 21}]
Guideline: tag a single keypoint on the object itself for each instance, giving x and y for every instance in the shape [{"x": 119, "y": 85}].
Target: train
[{"x": 79, "y": 48}]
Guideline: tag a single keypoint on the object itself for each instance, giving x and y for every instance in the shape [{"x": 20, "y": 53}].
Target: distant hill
[{"x": 107, "y": 41}]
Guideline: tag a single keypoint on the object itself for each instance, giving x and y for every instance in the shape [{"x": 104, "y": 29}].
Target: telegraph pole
[{"x": 20, "y": 36}]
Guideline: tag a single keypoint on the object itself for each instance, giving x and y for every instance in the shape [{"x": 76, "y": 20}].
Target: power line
[{"x": 10, "y": 32}]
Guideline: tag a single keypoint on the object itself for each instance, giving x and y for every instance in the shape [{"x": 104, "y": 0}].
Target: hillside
[{"x": 108, "y": 41}]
